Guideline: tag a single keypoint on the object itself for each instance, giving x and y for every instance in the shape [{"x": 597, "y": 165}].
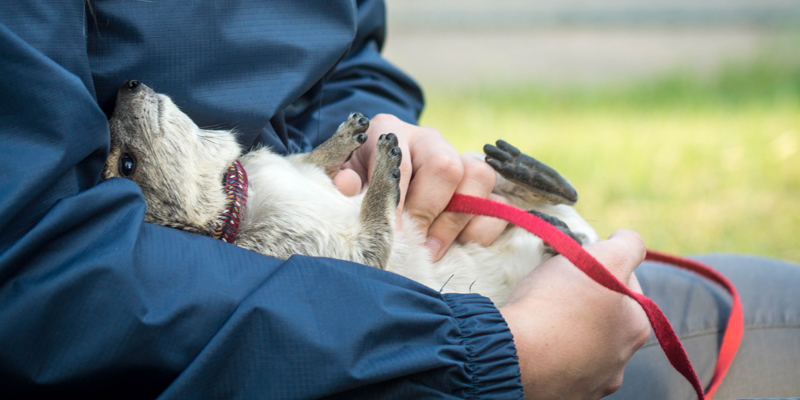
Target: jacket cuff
[{"x": 492, "y": 360}]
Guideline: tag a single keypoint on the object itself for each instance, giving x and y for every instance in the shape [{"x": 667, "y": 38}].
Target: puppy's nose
[{"x": 131, "y": 85}]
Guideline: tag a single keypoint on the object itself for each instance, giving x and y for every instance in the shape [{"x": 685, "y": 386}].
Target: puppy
[{"x": 189, "y": 178}]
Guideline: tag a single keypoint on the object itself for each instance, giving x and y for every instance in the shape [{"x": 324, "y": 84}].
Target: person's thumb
[{"x": 348, "y": 182}]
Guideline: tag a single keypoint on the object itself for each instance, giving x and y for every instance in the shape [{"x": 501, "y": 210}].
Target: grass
[{"x": 694, "y": 165}]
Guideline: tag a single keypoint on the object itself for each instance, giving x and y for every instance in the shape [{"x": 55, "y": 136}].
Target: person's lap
[{"x": 768, "y": 361}]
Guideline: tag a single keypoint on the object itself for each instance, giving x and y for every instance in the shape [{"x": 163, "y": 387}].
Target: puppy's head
[{"x": 178, "y": 166}]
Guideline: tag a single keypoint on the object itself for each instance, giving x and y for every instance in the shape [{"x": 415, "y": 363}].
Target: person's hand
[
  {"x": 431, "y": 171},
  {"x": 573, "y": 336}
]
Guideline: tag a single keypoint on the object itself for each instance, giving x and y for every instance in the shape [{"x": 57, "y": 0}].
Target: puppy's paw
[
  {"x": 561, "y": 226},
  {"x": 357, "y": 123},
  {"x": 339, "y": 148},
  {"x": 354, "y": 129},
  {"x": 528, "y": 172},
  {"x": 389, "y": 151},
  {"x": 387, "y": 166},
  {"x": 350, "y": 135}
]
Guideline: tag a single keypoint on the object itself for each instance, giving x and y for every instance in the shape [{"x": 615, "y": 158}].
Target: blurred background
[{"x": 678, "y": 119}]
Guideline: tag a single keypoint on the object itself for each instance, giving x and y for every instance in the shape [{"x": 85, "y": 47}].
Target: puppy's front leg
[
  {"x": 375, "y": 236},
  {"x": 334, "y": 152}
]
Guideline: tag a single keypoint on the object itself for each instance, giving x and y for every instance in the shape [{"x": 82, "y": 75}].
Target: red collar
[{"x": 227, "y": 225}]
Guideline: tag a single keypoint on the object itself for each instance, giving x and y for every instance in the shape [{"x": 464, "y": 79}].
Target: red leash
[{"x": 573, "y": 251}]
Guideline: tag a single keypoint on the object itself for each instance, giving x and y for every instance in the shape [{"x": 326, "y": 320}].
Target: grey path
[
  {"x": 485, "y": 13},
  {"x": 456, "y": 42}
]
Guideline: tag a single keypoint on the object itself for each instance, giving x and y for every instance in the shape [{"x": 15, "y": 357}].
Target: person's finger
[
  {"x": 478, "y": 180},
  {"x": 482, "y": 229},
  {"x": 633, "y": 284},
  {"x": 620, "y": 254},
  {"x": 348, "y": 182},
  {"x": 437, "y": 172}
]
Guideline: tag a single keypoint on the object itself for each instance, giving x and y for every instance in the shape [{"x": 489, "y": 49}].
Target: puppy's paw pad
[
  {"x": 388, "y": 150},
  {"x": 357, "y": 123},
  {"x": 388, "y": 139}
]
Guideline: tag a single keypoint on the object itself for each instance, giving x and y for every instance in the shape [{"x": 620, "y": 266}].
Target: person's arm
[
  {"x": 98, "y": 304},
  {"x": 573, "y": 336}
]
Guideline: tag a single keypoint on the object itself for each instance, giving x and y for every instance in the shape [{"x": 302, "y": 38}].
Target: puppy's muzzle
[
  {"x": 131, "y": 89},
  {"x": 131, "y": 85}
]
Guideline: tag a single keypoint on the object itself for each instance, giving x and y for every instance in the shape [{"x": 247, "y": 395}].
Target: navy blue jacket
[{"x": 98, "y": 304}]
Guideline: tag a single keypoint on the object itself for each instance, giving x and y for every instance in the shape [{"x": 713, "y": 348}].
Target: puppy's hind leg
[
  {"x": 376, "y": 231},
  {"x": 528, "y": 183},
  {"x": 331, "y": 154}
]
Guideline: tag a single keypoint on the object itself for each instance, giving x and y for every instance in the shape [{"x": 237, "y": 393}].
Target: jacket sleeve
[
  {"x": 363, "y": 81},
  {"x": 98, "y": 304}
]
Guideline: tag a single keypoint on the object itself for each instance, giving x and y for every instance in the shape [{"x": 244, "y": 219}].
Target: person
[{"x": 99, "y": 304}]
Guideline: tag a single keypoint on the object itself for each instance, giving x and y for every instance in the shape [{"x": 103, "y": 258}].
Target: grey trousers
[{"x": 768, "y": 362}]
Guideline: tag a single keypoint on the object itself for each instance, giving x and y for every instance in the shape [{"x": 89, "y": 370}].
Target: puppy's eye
[{"x": 127, "y": 165}]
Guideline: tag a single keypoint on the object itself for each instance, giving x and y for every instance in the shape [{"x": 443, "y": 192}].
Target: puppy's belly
[
  {"x": 492, "y": 271},
  {"x": 296, "y": 209}
]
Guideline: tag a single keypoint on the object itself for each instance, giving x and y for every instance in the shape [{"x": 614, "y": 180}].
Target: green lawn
[{"x": 695, "y": 166}]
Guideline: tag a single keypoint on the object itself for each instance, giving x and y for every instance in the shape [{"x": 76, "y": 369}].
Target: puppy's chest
[{"x": 295, "y": 210}]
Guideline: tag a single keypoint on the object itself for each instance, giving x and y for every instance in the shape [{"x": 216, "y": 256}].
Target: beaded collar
[{"x": 227, "y": 225}]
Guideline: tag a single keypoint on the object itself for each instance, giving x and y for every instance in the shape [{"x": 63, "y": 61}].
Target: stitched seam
[
  {"x": 470, "y": 363},
  {"x": 652, "y": 342}
]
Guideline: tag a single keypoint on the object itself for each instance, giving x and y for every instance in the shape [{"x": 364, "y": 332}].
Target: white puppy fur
[{"x": 294, "y": 208}]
